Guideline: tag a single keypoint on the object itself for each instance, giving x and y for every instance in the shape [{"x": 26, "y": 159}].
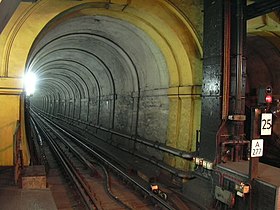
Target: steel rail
[
  {"x": 112, "y": 166},
  {"x": 90, "y": 166},
  {"x": 107, "y": 187},
  {"x": 156, "y": 145},
  {"x": 84, "y": 191}
]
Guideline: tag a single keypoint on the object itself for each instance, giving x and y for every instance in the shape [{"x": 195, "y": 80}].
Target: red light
[{"x": 268, "y": 99}]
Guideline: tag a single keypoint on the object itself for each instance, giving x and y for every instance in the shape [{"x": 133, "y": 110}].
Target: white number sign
[
  {"x": 266, "y": 124},
  {"x": 257, "y": 148}
]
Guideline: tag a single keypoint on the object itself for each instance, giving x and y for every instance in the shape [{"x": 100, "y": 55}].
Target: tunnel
[
  {"x": 263, "y": 71},
  {"x": 109, "y": 70},
  {"x": 111, "y": 65},
  {"x": 127, "y": 67},
  {"x": 173, "y": 82}
]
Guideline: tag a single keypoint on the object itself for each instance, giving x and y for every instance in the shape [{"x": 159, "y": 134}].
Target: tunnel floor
[{"x": 14, "y": 198}]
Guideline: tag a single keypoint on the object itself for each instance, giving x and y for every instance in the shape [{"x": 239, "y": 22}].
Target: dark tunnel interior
[
  {"x": 263, "y": 70},
  {"x": 104, "y": 71}
]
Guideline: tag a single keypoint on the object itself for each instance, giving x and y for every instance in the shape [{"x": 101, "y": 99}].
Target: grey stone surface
[{"x": 104, "y": 71}]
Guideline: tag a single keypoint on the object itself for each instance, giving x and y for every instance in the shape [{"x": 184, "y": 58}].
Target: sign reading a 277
[
  {"x": 257, "y": 148},
  {"x": 266, "y": 124}
]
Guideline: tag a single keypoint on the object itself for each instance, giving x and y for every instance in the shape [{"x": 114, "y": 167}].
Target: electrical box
[{"x": 224, "y": 196}]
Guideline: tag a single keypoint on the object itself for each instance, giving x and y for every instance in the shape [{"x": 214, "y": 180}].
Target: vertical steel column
[
  {"x": 212, "y": 76},
  {"x": 255, "y": 133}
]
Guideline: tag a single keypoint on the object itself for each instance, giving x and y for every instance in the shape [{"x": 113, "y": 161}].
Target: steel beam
[
  {"x": 261, "y": 8},
  {"x": 212, "y": 77}
]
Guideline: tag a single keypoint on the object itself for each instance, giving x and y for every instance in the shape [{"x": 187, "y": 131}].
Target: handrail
[{"x": 17, "y": 154}]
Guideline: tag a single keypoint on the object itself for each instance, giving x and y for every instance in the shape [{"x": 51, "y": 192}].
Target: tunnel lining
[{"x": 158, "y": 88}]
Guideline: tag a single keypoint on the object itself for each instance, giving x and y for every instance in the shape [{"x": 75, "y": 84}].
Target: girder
[{"x": 261, "y": 8}]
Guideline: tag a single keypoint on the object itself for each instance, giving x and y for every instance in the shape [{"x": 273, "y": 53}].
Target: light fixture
[{"x": 30, "y": 80}]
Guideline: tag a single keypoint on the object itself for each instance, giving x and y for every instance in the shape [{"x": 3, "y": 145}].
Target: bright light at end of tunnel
[{"x": 30, "y": 80}]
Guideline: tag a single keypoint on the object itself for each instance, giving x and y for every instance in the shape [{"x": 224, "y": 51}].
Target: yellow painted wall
[
  {"x": 10, "y": 105},
  {"x": 184, "y": 118},
  {"x": 9, "y": 114}
]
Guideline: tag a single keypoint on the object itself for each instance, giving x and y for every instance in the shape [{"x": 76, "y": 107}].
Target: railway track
[{"x": 99, "y": 182}]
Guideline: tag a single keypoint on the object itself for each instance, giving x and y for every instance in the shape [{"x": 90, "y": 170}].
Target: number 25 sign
[{"x": 266, "y": 124}]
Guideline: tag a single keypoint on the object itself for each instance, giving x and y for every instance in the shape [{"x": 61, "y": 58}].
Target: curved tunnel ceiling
[
  {"x": 133, "y": 68},
  {"x": 263, "y": 53},
  {"x": 97, "y": 58},
  {"x": 96, "y": 68},
  {"x": 105, "y": 52}
]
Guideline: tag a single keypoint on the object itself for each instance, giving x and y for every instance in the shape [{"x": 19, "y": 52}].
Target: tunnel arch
[
  {"x": 83, "y": 88},
  {"x": 94, "y": 88},
  {"x": 185, "y": 34},
  {"x": 76, "y": 97},
  {"x": 42, "y": 102},
  {"x": 165, "y": 42},
  {"x": 126, "y": 57},
  {"x": 263, "y": 52}
]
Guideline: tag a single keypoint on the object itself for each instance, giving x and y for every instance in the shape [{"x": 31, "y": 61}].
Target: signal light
[
  {"x": 268, "y": 94},
  {"x": 265, "y": 95},
  {"x": 268, "y": 99}
]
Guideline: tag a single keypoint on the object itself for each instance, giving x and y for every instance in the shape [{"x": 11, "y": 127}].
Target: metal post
[{"x": 255, "y": 134}]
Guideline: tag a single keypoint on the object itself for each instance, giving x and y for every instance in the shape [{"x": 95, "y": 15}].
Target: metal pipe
[
  {"x": 178, "y": 173},
  {"x": 174, "y": 171},
  {"x": 226, "y": 60},
  {"x": 239, "y": 56},
  {"x": 240, "y": 23},
  {"x": 156, "y": 145}
]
